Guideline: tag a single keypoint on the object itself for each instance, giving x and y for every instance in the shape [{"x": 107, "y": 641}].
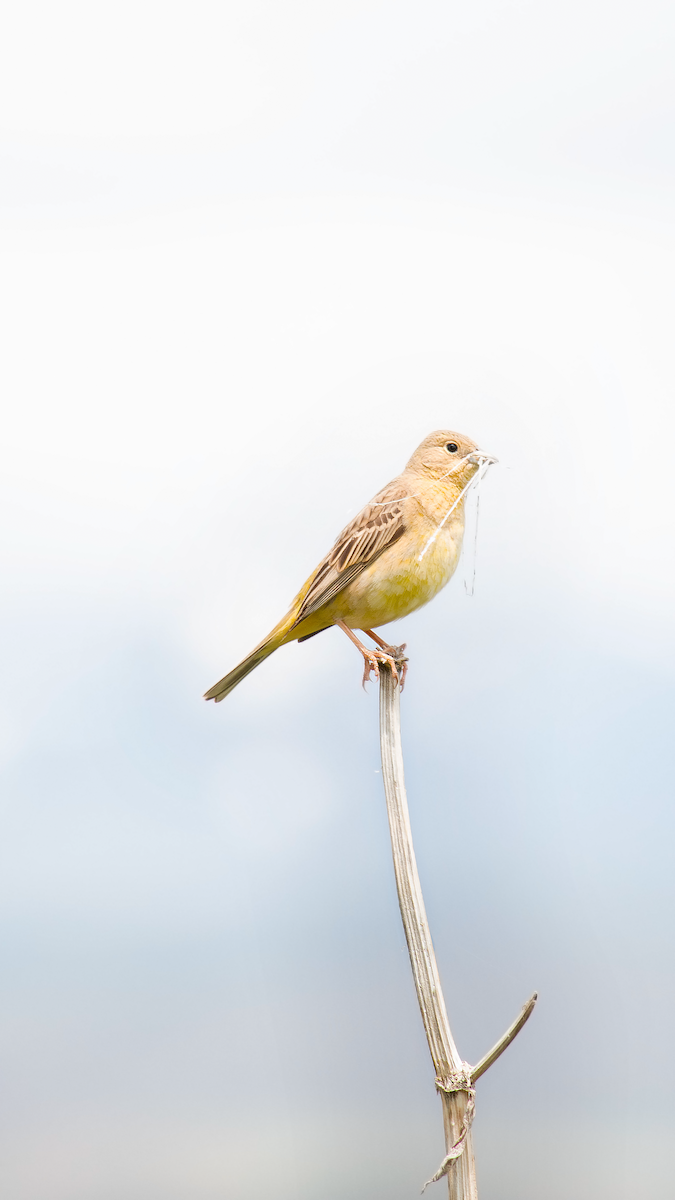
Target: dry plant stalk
[{"x": 455, "y": 1079}]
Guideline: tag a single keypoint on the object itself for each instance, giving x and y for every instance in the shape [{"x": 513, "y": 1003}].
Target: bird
[{"x": 391, "y": 559}]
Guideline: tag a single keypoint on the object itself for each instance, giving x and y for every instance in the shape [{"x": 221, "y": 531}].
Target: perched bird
[{"x": 400, "y": 550}]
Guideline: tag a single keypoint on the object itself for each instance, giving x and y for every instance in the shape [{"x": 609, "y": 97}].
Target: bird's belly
[{"x": 402, "y": 579}]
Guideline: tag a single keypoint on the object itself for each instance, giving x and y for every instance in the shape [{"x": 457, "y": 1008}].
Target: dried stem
[
  {"x": 446, "y": 1058},
  {"x": 460, "y": 1171},
  {"x": 504, "y": 1041}
]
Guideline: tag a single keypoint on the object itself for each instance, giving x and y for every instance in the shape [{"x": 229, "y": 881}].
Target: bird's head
[{"x": 445, "y": 455}]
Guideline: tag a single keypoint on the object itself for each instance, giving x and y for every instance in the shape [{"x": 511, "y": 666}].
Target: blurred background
[{"x": 252, "y": 254}]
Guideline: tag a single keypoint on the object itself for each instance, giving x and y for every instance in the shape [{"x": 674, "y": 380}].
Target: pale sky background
[{"x": 251, "y": 255}]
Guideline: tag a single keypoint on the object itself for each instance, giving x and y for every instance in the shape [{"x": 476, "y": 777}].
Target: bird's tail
[{"x": 271, "y": 643}]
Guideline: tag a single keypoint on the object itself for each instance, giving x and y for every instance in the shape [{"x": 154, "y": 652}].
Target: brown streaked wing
[{"x": 376, "y": 527}]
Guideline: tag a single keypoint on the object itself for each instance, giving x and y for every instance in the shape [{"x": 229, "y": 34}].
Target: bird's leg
[
  {"x": 395, "y": 652},
  {"x": 384, "y": 646},
  {"x": 371, "y": 657}
]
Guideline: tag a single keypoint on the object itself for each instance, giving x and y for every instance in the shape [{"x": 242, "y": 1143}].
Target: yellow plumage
[{"x": 400, "y": 550}]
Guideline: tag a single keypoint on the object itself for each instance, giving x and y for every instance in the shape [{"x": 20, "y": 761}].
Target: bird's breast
[{"x": 407, "y": 575}]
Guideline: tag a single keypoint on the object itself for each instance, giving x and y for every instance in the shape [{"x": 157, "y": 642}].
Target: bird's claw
[
  {"x": 392, "y": 657},
  {"x": 403, "y": 662},
  {"x": 396, "y": 653},
  {"x": 369, "y": 664}
]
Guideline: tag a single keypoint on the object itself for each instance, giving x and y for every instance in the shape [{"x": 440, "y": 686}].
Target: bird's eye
[{"x": 452, "y": 447}]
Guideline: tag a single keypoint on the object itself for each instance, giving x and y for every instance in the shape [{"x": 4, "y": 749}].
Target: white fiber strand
[
  {"x": 470, "y": 590},
  {"x": 483, "y": 466}
]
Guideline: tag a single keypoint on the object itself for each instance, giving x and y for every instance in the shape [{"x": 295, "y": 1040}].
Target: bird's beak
[{"x": 481, "y": 456}]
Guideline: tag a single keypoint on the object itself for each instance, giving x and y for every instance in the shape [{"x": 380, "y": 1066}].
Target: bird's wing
[{"x": 378, "y": 525}]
